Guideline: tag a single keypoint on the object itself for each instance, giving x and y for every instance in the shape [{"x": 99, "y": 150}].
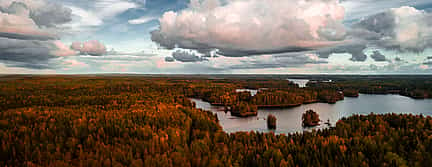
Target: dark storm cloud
[
  {"x": 378, "y": 56},
  {"x": 184, "y": 56}
]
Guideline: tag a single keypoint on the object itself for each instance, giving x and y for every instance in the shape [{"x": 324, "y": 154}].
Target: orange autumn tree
[{"x": 310, "y": 118}]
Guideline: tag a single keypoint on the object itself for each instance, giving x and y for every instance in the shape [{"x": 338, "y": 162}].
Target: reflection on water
[
  {"x": 289, "y": 120},
  {"x": 301, "y": 82}
]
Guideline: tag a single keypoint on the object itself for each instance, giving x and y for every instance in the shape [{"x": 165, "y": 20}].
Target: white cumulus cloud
[
  {"x": 93, "y": 48},
  {"x": 404, "y": 29},
  {"x": 248, "y": 27}
]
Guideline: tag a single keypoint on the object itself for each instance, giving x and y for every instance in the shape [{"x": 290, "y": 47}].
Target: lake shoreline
[{"x": 289, "y": 119}]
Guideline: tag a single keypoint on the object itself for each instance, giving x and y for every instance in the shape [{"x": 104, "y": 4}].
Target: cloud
[
  {"x": 424, "y": 67},
  {"x": 126, "y": 58},
  {"x": 373, "y": 67},
  {"x": 404, "y": 29},
  {"x": 51, "y": 14},
  {"x": 92, "y": 48},
  {"x": 185, "y": 56},
  {"x": 28, "y": 33},
  {"x": 356, "y": 51},
  {"x": 28, "y": 53},
  {"x": 40, "y": 12},
  {"x": 142, "y": 20},
  {"x": 74, "y": 63},
  {"x": 249, "y": 52},
  {"x": 169, "y": 59},
  {"x": 110, "y": 8},
  {"x": 83, "y": 19},
  {"x": 252, "y": 27},
  {"x": 137, "y": 54},
  {"x": 88, "y": 15},
  {"x": 374, "y": 27},
  {"x": 378, "y": 56},
  {"x": 15, "y": 20},
  {"x": 76, "y": 46},
  {"x": 278, "y": 61},
  {"x": 27, "y": 36},
  {"x": 358, "y": 9},
  {"x": 62, "y": 50}
]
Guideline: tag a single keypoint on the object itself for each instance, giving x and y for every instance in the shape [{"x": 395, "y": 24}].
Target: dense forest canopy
[{"x": 150, "y": 121}]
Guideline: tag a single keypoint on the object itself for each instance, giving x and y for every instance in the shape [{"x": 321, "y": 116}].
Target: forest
[
  {"x": 418, "y": 88},
  {"x": 150, "y": 121}
]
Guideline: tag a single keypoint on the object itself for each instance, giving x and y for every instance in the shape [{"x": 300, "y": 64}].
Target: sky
[{"x": 216, "y": 36}]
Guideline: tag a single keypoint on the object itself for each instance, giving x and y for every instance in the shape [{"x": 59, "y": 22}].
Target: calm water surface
[{"x": 289, "y": 120}]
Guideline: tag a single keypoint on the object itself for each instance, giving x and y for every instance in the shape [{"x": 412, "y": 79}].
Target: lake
[{"x": 289, "y": 120}]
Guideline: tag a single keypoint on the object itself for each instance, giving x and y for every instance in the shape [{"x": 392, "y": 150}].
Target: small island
[
  {"x": 244, "y": 109},
  {"x": 271, "y": 121},
  {"x": 310, "y": 119},
  {"x": 351, "y": 93}
]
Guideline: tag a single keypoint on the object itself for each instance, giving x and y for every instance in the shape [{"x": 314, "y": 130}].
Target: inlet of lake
[{"x": 289, "y": 119}]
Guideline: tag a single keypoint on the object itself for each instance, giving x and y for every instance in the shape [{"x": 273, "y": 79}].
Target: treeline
[
  {"x": 266, "y": 98},
  {"x": 243, "y": 109},
  {"x": 295, "y": 97},
  {"x": 418, "y": 88},
  {"x": 283, "y": 94},
  {"x": 150, "y": 122}
]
